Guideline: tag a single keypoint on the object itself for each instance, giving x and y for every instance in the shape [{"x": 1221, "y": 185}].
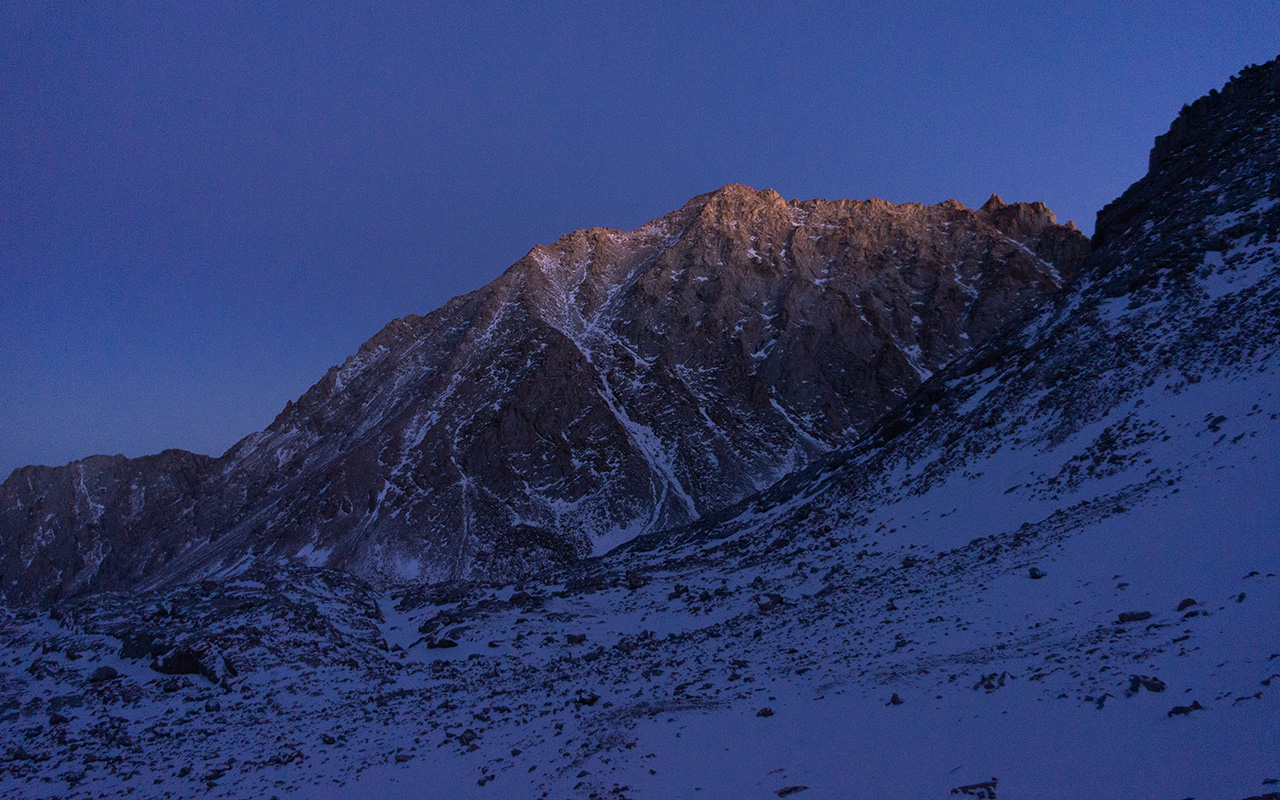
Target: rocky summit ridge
[{"x": 611, "y": 384}]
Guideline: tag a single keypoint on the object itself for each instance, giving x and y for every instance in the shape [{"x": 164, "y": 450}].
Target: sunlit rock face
[{"x": 607, "y": 385}]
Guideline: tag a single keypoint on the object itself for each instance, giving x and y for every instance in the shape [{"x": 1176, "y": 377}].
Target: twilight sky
[{"x": 203, "y": 206}]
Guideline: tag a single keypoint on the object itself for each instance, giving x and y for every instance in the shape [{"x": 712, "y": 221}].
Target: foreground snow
[{"x": 675, "y": 713}]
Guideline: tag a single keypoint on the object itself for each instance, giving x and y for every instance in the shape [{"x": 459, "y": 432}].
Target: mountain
[
  {"x": 611, "y": 384},
  {"x": 1050, "y": 572}
]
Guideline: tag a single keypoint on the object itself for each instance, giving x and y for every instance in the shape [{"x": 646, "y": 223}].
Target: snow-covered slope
[{"x": 1053, "y": 573}]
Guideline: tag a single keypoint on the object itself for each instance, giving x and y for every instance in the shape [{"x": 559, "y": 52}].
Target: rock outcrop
[
  {"x": 62, "y": 530},
  {"x": 1221, "y": 121}
]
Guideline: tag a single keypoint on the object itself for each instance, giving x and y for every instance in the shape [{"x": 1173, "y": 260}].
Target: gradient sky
[{"x": 203, "y": 206}]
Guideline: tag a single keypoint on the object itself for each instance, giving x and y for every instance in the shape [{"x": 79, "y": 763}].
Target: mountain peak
[
  {"x": 1254, "y": 84},
  {"x": 736, "y": 191},
  {"x": 734, "y": 200},
  {"x": 1245, "y": 108},
  {"x": 608, "y": 384}
]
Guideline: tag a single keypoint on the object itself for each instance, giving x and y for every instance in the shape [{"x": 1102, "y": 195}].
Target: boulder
[
  {"x": 986, "y": 789},
  {"x": 769, "y": 601},
  {"x": 140, "y": 645},
  {"x": 1185, "y": 710},
  {"x": 1134, "y": 616},
  {"x": 180, "y": 661},
  {"x": 1147, "y": 682}
]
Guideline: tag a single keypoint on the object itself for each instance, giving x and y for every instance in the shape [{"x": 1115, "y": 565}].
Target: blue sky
[{"x": 203, "y": 206}]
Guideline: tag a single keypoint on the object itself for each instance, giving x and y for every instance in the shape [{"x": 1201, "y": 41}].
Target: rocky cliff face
[
  {"x": 61, "y": 529},
  {"x": 1116, "y": 393},
  {"x": 1234, "y": 119},
  {"x": 610, "y": 384}
]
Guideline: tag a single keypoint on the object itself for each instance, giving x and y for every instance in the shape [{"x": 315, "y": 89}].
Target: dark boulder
[
  {"x": 1147, "y": 682},
  {"x": 141, "y": 645},
  {"x": 1185, "y": 710},
  {"x": 986, "y": 789},
  {"x": 1134, "y": 616},
  {"x": 187, "y": 660},
  {"x": 769, "y": 601}
]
